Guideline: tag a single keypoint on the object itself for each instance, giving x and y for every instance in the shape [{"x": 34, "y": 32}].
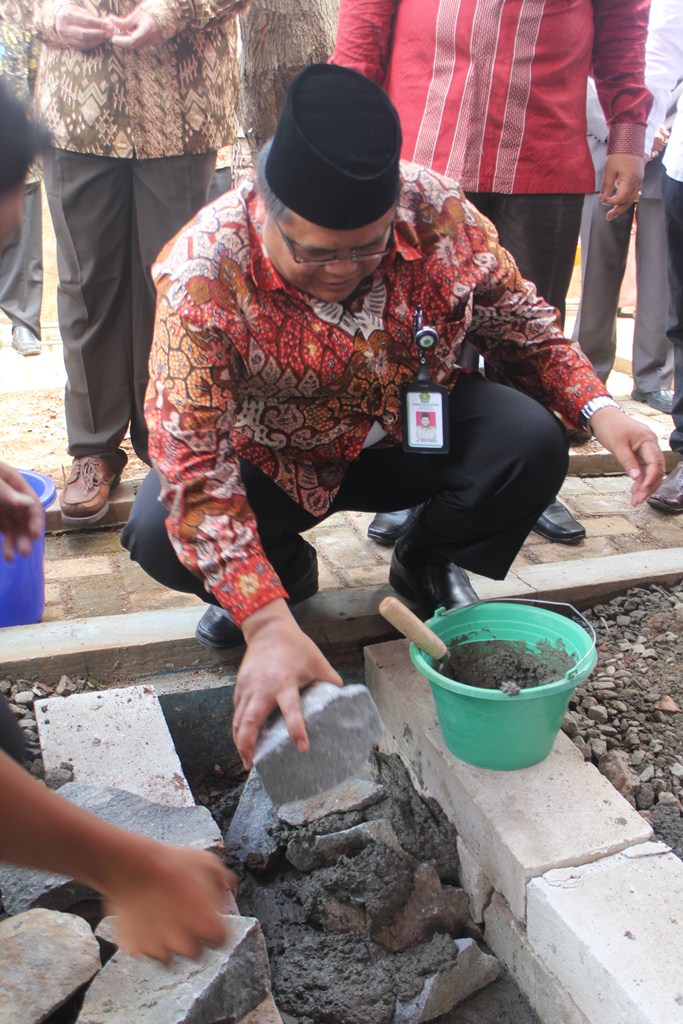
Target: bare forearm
[{"x": 43, "y": 830}]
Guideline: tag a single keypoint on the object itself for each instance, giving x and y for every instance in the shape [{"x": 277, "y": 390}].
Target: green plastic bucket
[{"x": 489, "y": 728}]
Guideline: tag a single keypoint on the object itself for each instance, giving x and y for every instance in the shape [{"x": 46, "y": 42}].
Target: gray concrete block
[
  {"x": 518, "y": 824},
  {"x": 45, "y": 958},
  {"x": 114, "y": 738},
  {"x": 508, "y": 939},
  {"x": 224, "y": 985},
  {"x": 194, "y": 827},
  {"x": 474, "y": 881},
  {"x": 612, "y": 933},
  {"x": 343, "y": 725}
]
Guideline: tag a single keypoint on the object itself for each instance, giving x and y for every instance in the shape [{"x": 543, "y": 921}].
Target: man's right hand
[
  {"x": 80, "y": 29},
  {"x": 280, "y": 660}
]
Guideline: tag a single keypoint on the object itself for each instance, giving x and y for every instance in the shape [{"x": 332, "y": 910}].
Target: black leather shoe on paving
[
  {"x": 669, "y": 495},
  {"x": 432, "y": 586},
  {"x": 216, "y": 628},
  {"x": 558, "y": 524},
  {"x": 660, "y": 400},
  {"x": 387, "y": 527}
]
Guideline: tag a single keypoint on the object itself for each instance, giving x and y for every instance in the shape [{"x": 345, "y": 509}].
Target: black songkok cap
[
  {"x": 21, "y": 140},
  {"x": 334, "y": 156}
]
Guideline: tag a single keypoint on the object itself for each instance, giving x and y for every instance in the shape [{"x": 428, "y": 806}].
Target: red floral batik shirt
[{"x": 245, "y": 365}]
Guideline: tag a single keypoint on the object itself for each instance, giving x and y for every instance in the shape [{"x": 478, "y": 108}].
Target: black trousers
[
  {"x": 507, "y": 460},
  {"x": 541, "y": 232},
  {"x": 111, "y": 217},
  {"x": 672, "y": 190},
  {"x": 11, "y": 735}
]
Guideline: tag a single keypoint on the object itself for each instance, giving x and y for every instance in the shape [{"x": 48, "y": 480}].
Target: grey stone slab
[
  {"x": 450, "y": 986},
  {"x": 221, "y": 988},
  {"x": 310, "y": 854},
  {"x": 248, "y": 838},
  {"x": 350, "y": 795},
  {"x": 45, "y": 957},
  {"x": 343, "y": 726},
  {"x": 194, "y": 827},
  {"x": 114, "y": 738}
]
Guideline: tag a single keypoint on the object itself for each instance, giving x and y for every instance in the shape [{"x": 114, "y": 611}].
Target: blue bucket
[{"x": 22, "y": 582}]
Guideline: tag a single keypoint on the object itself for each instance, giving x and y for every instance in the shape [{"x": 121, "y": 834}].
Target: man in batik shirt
[{"x": 284, "y": 336}]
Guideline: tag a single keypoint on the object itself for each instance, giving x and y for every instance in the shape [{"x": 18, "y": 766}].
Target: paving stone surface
[
  {"x": 224, "y": 985},
  {"x": 33, "y": 944}
]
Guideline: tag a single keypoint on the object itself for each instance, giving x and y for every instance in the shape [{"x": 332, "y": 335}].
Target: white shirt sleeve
[{"x": 663, "y": 69}]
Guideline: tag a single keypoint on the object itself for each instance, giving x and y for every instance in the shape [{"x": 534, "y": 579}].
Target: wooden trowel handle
[{"x": 414, "y": 629}]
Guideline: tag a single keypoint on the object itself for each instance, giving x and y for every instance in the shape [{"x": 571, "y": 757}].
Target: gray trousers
[
  {"x": 604, "y": 251},
  {"x": 21, "y": 266},
  {"x": 111, "y": 217}
]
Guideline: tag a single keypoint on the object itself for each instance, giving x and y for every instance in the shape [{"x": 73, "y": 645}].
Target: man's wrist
[{"x": 594, "y": 405}]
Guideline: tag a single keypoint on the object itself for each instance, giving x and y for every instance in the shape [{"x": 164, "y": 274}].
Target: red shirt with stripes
[{"x": 492, "y": 93}]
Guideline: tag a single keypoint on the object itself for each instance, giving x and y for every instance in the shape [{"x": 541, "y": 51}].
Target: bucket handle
[{"x": 553, "y": 604}]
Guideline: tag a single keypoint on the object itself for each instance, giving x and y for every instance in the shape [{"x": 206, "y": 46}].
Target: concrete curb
[{"x": 148, "y": 643}]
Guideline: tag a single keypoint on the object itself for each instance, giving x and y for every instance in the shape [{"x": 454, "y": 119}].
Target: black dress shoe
[
  {"x": 216, "y": 628},
  {"x": 388, "y": 527},
  {"x": 558, "y": 524},
  {"x": 669, "y": 495},
  {"x": 432, "y": 586},
  {"x": 661, "y": 400}
]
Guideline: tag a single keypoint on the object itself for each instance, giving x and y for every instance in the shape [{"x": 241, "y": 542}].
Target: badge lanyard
[{"x": 424, "y": 404}]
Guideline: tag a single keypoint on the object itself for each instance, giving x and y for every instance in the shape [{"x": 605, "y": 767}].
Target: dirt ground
[{"x": 33, "y": 434}]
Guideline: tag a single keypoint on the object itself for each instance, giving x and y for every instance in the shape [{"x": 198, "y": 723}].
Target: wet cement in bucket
[{"x": 502, "y": 664}]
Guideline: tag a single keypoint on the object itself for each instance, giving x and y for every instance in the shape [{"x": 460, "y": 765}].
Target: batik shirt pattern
[{"x": 245, "y": 365}]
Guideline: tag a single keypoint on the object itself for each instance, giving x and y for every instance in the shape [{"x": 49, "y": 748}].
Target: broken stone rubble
[{"x": 358, "y": 928}]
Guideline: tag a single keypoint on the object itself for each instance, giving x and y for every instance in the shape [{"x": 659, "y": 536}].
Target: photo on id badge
[{"x": 425, "y": 420}]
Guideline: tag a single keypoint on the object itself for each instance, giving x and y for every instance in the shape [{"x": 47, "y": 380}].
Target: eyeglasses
[{"x": 354, "y": 254}]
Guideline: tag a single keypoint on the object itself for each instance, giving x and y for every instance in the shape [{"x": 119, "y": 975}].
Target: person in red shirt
[
  {"x": 302, "y": 320},
  {"x": 494, "y": 96}
]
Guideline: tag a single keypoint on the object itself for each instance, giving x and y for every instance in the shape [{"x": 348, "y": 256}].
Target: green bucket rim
[{"x": 571, "y": 679}]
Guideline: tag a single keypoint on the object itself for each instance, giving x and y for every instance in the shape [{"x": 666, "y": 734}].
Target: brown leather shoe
[
  {"x": 85, "y": 497},
  {"x": 669, "y": 495}
]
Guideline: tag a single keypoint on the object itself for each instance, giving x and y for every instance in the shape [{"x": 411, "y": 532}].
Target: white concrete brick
[
  {"x": 474, "y": 881},
  {"x": 508, "y": 940},
  {"x": 114, "y": 738},
  {"x": 517, "y": 825},
  {"x": 612, "y": 933}
]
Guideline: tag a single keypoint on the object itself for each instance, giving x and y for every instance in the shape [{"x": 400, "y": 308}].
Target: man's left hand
[
  {"x": 621, "y": 183},
  {"x": 137, "y": 31},
  {"x": 280, "y": 660},
  {"x": 636, "y": 448}
]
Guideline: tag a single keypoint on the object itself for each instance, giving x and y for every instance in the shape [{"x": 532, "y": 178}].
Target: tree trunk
[{"x": 279, "y": 38}]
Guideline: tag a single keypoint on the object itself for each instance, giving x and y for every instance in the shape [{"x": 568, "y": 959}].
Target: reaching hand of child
[{"x": 168, "y": 900}]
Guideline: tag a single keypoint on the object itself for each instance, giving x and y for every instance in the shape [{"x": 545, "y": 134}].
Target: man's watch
[{"x": 592, "y": 406}]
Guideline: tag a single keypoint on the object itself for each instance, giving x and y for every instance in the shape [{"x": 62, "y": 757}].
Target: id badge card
[{"x": 424, "y": 417}]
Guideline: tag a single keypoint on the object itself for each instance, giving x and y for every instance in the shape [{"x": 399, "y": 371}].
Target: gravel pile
[{"x": 627, "y": 718}]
